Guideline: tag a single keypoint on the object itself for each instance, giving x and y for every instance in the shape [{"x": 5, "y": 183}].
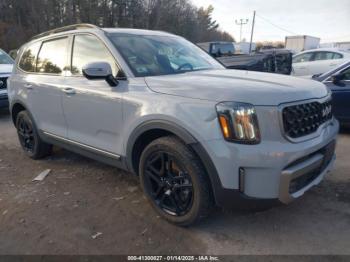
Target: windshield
[
  {"x": 161, "y": 55},
  {"x": 5, "y": 59}
]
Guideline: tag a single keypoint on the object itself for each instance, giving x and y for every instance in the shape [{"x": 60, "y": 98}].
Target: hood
[
  {"x": 240, "y": 86},
  {"x": 6, "y": 69}
]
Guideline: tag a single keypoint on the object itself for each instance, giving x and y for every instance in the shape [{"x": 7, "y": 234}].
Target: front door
[
  {"x": 92, "y": 108},
  {"x": 341, "y": 96}
]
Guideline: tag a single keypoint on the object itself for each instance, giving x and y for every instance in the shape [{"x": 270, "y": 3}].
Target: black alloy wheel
[
  {"x": 168, "y": 184},
  {"x": 26, "y": 134},
  {"x": 175, "y": 181}
]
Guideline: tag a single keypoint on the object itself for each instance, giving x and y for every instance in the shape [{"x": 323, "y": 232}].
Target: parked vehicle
[
  {"x": 218, "y": 49},
  {"x": 318, "y": 61},
  {"x": 158, "y": 106},
  {"x": 6, "y": 64},
  {"x": 301, "y": 43},
  {"x": 243, "y": 48},
  {"x": 268, "y": 60},
  {"x": 338, "y": 80}
]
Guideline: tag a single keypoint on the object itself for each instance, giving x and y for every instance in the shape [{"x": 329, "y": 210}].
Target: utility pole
[
  {"x": 252, "y": 33},
  {"x": 241, "y": 22}
]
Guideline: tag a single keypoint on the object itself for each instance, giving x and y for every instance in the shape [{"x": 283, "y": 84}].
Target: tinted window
[
  {"x": 222, "y": 49},
  {"x": 323, "y": 56},
  {"x": 28, "y": 59},
  {"x": 302, "y": 58},
  {"x": 53, "y": 56},
  {"x": 346, "y": 74},
  {"x": 88, "y": 49}
]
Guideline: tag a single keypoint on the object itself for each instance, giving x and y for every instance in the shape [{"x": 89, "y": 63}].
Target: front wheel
[
  {"x": 174, "y": 181},
  {"x": 29, "y": 138}
]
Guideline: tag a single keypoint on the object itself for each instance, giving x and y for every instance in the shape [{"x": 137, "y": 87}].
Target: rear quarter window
[{"x": 28, "y": 59}]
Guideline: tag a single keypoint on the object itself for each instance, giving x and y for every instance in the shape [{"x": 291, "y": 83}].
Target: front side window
[
  {"x": 5, "y": 59},
  {"x": 346, "y": 74},
  {"x": 28, "y": 59},
  {"x": 52, "y": 57},
  {"x": 302, "y": 58},
  {"x": 149, "y": 55},
  {"x": 88, "y": 49}
]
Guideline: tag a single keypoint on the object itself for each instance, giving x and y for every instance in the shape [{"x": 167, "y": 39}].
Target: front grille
[
  {"x": 3, "y": 83},
  {"x": 304, "y": 119}
]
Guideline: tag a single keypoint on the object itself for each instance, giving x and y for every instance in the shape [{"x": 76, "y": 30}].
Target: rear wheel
[
  {"x": 29, "y": 138},
  {"x": 175, "y": 181}
]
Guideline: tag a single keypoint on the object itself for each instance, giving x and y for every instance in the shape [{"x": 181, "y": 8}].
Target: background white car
[
  {"x": 318, "y": 61},
  {"x": 6, "y": 64}
]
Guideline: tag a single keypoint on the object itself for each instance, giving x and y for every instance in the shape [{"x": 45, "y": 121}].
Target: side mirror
[
  {"x": 337, "y": 79},
  {"x": 100, "y": 70}
]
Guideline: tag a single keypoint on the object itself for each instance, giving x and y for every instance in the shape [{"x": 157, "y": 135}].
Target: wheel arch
[
  {"x": 17, "y": 107},
  {"x": 151, "y": 130},
  {"x": 146, "y": 132}
]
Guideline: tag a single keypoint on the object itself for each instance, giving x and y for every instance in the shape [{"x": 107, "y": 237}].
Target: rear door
[
  {"x": 323, "y": 61},
  {"x": 341, "y": 96},
  {"x": 44, "y": 64},
  {"x": 93, "y": 108}
]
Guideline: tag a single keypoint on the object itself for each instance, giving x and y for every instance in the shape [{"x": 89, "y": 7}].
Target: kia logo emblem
[{"x": 326, "y": 111}]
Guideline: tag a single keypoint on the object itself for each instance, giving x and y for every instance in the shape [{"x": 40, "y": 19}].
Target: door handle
[
  {"x": 69, "y": 91},
  {"x": 28, "y": 86}
]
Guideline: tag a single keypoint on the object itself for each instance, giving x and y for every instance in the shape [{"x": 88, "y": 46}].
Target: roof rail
[{"x": 64, "y": 29}]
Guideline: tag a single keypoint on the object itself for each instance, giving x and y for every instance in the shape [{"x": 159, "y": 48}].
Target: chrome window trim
[{"x": 310, "y": 136}]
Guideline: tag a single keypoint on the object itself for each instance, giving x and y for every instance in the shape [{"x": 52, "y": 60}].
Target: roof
[
  {"x": 90, "y": 27},
  {"x": 302, "y": 36},
  {"x": 324, "y": 49},
  {"x": 134, "y": 31}
]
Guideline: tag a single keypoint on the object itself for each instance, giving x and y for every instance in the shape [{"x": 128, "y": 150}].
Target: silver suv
[{"x": 154, "y": 104}]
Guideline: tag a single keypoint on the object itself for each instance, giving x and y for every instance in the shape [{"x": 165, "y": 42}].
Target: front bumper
[
  {"x": 270, "y": 168},
  {"x": 300, "y": 177}
]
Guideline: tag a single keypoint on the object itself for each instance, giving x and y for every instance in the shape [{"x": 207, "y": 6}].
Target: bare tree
[{"x": 21, "y": 19}]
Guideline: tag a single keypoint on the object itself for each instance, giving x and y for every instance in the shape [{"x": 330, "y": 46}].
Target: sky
[{"x": 327, "y": 19}]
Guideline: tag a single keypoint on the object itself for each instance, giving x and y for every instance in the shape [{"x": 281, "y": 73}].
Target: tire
[
  {"x": 29, "y": 138},
  {"x": 175, "y": 181}
]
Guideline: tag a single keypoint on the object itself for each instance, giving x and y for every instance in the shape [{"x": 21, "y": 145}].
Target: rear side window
[
  {"x": 52, "y": 58},
  {"x": 337, "y": 56},
  {"x": 28, "y": 59},
  {"x": 88, "y": 49}
]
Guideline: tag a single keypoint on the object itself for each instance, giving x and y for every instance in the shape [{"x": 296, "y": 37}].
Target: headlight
[{"x": 238, "y": 122}]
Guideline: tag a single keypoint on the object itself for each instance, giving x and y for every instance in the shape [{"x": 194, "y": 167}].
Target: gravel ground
[{"x": 85, "y": 207}]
